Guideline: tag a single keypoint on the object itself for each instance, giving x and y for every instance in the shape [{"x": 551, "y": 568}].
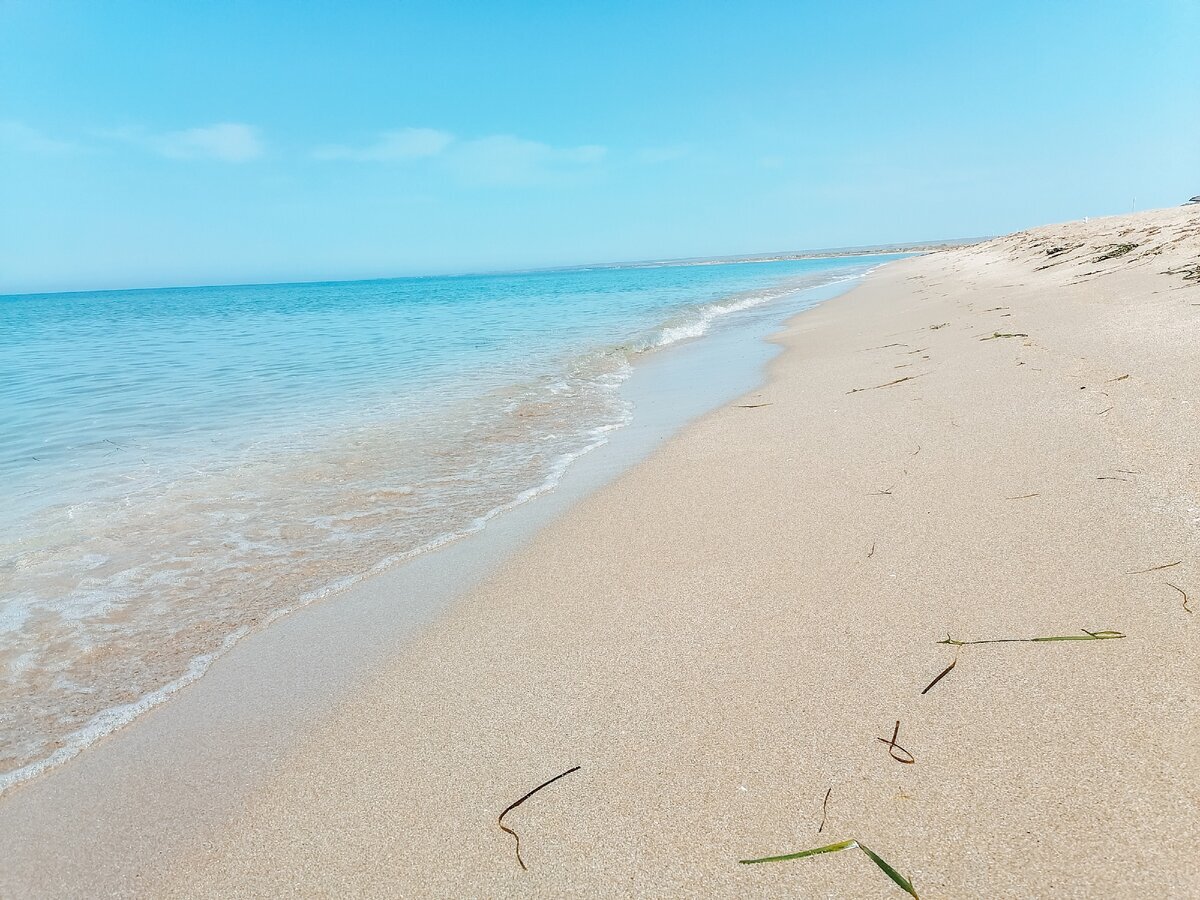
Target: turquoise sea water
[{"x": 185, "y": 464}]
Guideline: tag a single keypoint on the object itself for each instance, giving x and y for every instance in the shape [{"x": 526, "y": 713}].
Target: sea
[{"x": 184, "y": 465}]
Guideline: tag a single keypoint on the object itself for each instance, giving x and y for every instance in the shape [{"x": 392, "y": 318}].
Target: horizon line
[{"x": 770, "y": 256}]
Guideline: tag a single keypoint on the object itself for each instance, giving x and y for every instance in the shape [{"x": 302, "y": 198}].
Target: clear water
[{"x": 183, "y": 465}]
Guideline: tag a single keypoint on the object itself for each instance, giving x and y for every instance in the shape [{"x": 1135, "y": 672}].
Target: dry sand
[{"x": 718, "y": 638}]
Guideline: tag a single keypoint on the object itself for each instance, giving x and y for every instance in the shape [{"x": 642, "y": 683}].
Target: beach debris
[
  {"x": 888, "y": 384},
  {"x": 936, "y": 327},
  {"x": 1086, "y": 636},
  {"x": 903, "y": 883},
  {"x": 915, "y": 452},
  {"x": 1183, "y": 594},
  {"x": 515, "y": 804},
  {"x": 1118, "y": 378},
  {"x": 824, "y": 810},
  {"x": 1110, "y": 477},
  {"x": 1191, "y": 273},
  {"x": 871, "y": 552},
  {"x": 1177, "y": 562},
  {"x": 883, "y": 347},
  {"x": 884, "y": 493},
  {"x": 1000, "y": 334},
  {"x": 1113, "y": 251},
  {"x": 1105, "y": 411},
  {"x": 751, "y": 405},
  {"x": 942, "y": 674},
  {"x": 895, "y": 751},
  {"x": 1059, "y": 251},
  {"x": 1023, "y": 497}
]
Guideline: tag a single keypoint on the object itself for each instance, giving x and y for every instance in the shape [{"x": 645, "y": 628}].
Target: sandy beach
[{"x": 988, "y": 442}]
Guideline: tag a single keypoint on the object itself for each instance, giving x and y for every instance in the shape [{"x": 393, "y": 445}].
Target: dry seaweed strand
[
  {"x": 1086, "y": 636},
  {"x": 871, "y": 552},
  {"x": 751, "y": 405},
  {"x": 887, "y": 384},
  {"x": 942, "y": 674},
  {"x": 1182, "y": 593},
  {"x": 893, "y": 747},
  {"x": 514, "y": 805},
  {"x": 1157, "y": 568},
  {"x": 900, "y": 881},
  {"x": 824, "y": 810},
  {"x": 997, "y": 334},
  {"x": 1023, "y": 497}
]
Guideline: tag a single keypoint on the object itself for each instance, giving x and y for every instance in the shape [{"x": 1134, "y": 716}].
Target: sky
[{"x": 151, "y": 144}]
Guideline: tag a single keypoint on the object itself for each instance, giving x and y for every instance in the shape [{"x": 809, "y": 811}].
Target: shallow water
[{"x": 187, "y": 464}]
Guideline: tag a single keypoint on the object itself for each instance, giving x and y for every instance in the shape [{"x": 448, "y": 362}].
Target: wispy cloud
[
  {"x": 25, "y": 139},
  {"x": 231, "y": 142},
  {"x": 506, "y": 160},
  {"x": 392, "y": 146},
  {"x": 499, "y": 159}
]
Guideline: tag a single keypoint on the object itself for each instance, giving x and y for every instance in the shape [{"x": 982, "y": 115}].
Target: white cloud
[
  {"x": 507, "y": 160},
  {"x": 25, "y": 139},
  {"x": 392, "y": 146},
  {"x": 225, "y": 141},
  {"x": 499, "y": 159}
]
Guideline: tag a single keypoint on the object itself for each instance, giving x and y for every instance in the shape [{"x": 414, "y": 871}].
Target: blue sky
[{"x": 152, "y": 143}]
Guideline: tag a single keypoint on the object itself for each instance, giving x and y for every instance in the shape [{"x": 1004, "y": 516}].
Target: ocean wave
[{"x": 342, "y": 510}]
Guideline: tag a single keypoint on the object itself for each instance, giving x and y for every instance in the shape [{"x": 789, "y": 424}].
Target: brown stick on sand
[
  {"x": 888, "y": 384},
  {"x": 893, "y": 747},
  {"x": 515, "y": 804}
]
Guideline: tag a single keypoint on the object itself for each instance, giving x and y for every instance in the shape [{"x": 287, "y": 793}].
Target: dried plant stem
[
  {"x": 895, "y": 751},
  {"x": 1183, "y": 594},
  {"x": 1157, "y": 568},
  {"x": 515, "y": 804},
  {"x": 1086, "y": 636}
]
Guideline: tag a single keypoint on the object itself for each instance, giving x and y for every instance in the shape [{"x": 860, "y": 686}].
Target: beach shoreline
[
  {"x": 231, "y": 725},
  {"x": 966, "y": 443}
]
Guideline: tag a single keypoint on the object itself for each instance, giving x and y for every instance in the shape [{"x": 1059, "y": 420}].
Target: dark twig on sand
[
  {"x": 1183, "y": 594},
  {"x": 1157, "y": 568},
  {"x": 514, "y": 805},
  {"x": 824, "y": 810},
  {"x": 898, "y": 753},
  {"x": 887, "y": 384},
  {"x": 942, "y": 674}
]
